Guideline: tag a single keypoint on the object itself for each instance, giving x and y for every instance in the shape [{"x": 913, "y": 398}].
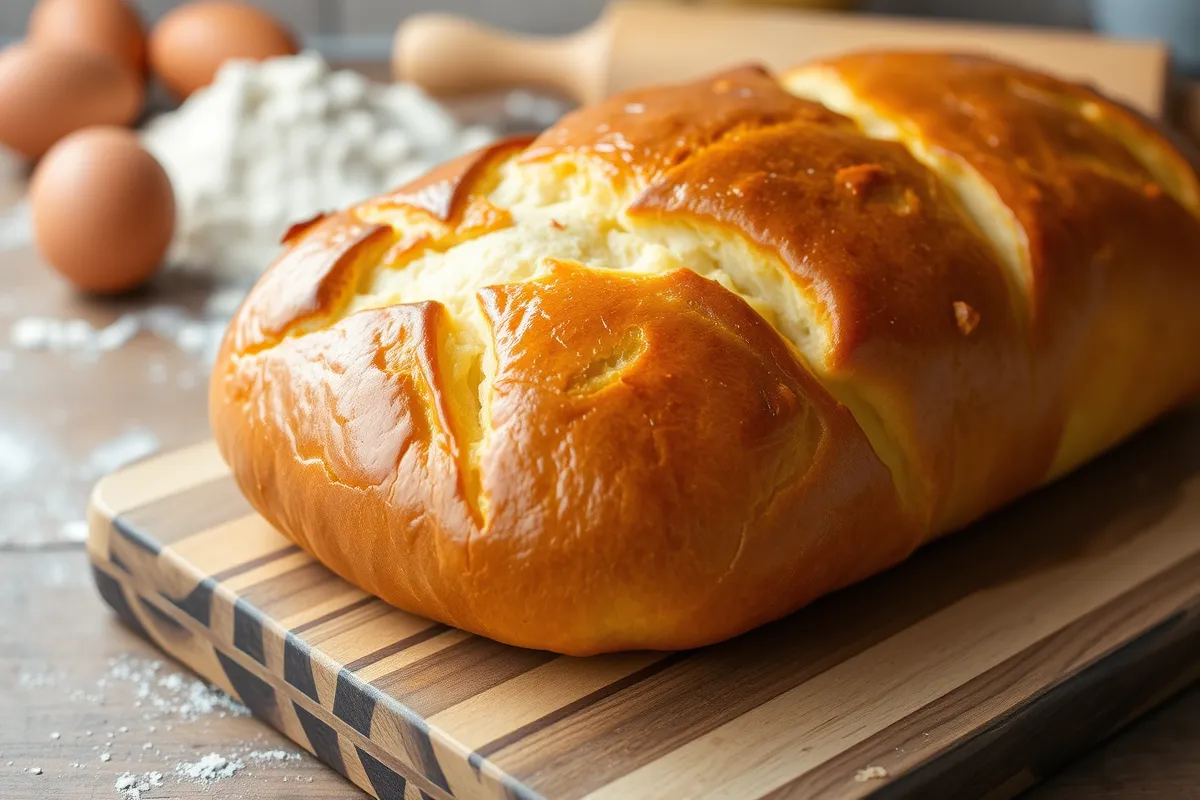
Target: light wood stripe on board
[
  {"x": 209, "y": 550},
  {"x": 350, "y": 597},
  {"x": 446, "y": 637},
  {"x": 796, "y": 732},
  {"x": 455, "y": 673},
  {"x": 158, "y": 478},
  {"x": 279, "y": 580},
  {"x": 188, "y": 512},
  {"x": 534, "y": 695},
  {"x": 356, "y": 644},
  {"x": 1085, "y": 643}
]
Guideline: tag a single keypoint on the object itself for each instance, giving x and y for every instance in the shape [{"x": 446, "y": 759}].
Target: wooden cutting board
[{"x": 974, "y": 668}]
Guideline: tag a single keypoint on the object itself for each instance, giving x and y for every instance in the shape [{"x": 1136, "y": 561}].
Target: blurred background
[{"x": 363, "y": 28}]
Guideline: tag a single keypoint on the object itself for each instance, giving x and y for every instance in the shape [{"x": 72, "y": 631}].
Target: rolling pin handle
[{"x": 449, "y": 55}]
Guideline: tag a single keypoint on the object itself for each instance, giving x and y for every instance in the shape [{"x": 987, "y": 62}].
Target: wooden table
[{"x": 64, "y": 415}]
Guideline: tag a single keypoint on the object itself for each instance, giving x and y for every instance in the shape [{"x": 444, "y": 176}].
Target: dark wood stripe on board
[
  {"x": 414, "y": 734},
  {"x": 197, "y": 603},
  {"x": 294, "y": 591},
  {"x": 159, "y": 615},
  {"x": 257, "y": 694},
  {"x": 476, "y": 758},
  {"x": 387, "y": 783},
  {"x": 338, "y": 612},
  {"x": 645, "y": 721},
  {"x": 322, "y": 737},
  {"x": 111, "y": 592},
  {"x": 135, "y": 536},
  {"x": 375, "y": 656},
  {"x": 191, "y": 511},
  {"x": 353, "y": 702},
  {"x": 457, "y": 672},
  {"x": 248, "y": 630},
  {"x": 297, "y": 666},
  {"x": 254, "y": 563},
  {"x": 1063, "y": 716}
]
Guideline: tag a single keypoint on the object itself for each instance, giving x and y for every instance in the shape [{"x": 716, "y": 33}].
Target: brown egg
[
  {"x": 189, "y": 44},
  {"x": 103, "y": 210},
  {"x": 47, "y": 92},
  {"x": 111, "y": 27}
]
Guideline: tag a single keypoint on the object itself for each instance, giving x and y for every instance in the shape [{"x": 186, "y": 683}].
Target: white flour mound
[
  {"x": 209, "y": 769},
  {"x": 272, "y": 143}
]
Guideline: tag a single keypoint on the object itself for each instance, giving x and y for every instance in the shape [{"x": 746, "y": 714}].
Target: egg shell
[
  {"x": 103, "y": 210},
  {"x": 190, "y": 43},
  {"x": 46, "y": 92},
  {"x": 110, "y": 27}
]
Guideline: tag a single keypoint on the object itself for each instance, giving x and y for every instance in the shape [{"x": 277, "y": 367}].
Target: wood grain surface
[
  {"x": 975, "y": 668},
  {"x": 57, "y": 636}
]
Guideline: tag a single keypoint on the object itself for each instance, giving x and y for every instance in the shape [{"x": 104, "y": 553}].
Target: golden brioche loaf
[{"x": 698, "y": 355}]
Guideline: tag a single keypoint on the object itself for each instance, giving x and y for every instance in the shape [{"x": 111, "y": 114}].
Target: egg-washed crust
[{"x": 698, "y": 355}]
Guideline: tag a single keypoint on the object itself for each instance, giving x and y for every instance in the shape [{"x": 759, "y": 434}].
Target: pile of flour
[{"x": 272, "y": 143}]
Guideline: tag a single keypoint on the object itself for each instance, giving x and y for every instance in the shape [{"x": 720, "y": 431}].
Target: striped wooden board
[{"x": 972, "y": 669}]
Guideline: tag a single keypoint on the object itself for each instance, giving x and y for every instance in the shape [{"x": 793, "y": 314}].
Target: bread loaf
[{"x": 701, "y": 354}]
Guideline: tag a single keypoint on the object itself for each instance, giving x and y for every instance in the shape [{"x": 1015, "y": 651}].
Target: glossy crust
[{"x": 726, "y": 349}]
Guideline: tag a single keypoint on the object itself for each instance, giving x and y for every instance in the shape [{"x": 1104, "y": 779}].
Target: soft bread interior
[
  {"x": 974, "y": 194},
  {"x": 566, "y": 209}
]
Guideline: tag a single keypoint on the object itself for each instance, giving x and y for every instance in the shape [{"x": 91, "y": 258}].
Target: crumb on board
[{"x": 871, "y": 773}]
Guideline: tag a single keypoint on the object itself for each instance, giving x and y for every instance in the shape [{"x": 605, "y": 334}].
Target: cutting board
[{"x": 974, "y": 668}]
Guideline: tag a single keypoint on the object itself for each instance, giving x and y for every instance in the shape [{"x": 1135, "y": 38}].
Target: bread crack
[
  {"x": 602, "y": 371},
  {"x": 466, "y": 366}
]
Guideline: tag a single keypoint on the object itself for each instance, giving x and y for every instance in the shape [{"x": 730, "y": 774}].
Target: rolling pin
[{"x": 637, "y": 42}]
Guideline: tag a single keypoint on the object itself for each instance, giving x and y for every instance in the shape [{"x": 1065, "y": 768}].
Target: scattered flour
[
  {"x": 271, "y": 143},
  {"x": 272, "y": 755},
  {"x": 169, "y": 695},
  {"x": 27, "y": 679},
  {"x": 132, "y": 786},
  {"x": 209, "y": 769},
  {"x": 190, "y": 333}
]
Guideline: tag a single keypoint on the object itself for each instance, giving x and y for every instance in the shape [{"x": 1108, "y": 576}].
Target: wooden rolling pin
[{"x": 638, "y": 42}]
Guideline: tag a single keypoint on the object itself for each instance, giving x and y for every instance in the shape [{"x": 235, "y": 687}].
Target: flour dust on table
[{"x": 164, "y": 699}]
